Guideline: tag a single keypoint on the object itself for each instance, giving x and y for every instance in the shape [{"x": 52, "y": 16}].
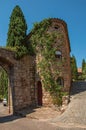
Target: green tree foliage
[
  {"x": 83, "y": 64},
  {"x": 17, "y": 28},
  {"x": 74, "y": 68},
  {"x": 83, "y": 69},
  {"x": 3, "y": 83}
]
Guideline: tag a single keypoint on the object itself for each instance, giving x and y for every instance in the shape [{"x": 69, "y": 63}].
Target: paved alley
[{"x": 75, "y": 114}]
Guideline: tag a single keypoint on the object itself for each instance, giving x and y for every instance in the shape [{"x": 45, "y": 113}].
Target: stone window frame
[
  {"x": 60, "y": 81},
  {"x": 58, "y": 54},
  {"x": 56, "y": 27}
]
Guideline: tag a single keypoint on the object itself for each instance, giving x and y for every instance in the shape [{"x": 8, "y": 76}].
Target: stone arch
[
  {"x": 9, "y": 94},
  {"x": 7, "y": 65},
  {"x": 21, "y": 78}
]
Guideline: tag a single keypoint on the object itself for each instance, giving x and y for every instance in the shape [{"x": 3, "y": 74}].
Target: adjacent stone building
[{"x": 62, "y": 54}]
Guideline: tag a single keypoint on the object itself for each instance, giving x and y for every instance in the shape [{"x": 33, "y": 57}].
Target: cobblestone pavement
[{"x": 75, "y": 114}]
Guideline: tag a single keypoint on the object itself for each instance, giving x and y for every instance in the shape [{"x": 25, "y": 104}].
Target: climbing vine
[
  {"x": 20, "y": 51},
  {"x": 43, "y": 44}
]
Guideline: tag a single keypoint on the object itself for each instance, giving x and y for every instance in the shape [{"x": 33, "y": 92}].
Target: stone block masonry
[{"x": 21, "y": 75}]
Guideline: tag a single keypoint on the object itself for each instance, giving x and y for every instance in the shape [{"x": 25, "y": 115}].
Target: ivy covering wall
[{"x": 43, "y": 42}]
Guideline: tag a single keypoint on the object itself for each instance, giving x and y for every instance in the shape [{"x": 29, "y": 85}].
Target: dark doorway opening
[
  {"x": 5, "y": 92},
  {"x": 39, "y": 93}
]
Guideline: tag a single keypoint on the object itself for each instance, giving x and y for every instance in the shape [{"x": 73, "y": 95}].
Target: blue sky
[{"x": 73, "y": 12}]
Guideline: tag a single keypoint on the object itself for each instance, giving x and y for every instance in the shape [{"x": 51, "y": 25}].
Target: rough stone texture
[
  {"x": 62, "y": 44},
  {"x": 23, "y": 73},
  {"x": 47, "y": 99},
  {"x": 75, "y": 114},
  {"x": 24, "y": 85},
  {"x": 21, "y": 78}
]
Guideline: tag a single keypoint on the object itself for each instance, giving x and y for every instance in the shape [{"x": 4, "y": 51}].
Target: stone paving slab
[
  {"x": 75, "y": 113},
  {"x": 42, "y": 113},
  {"x": 74, "y": 118}
]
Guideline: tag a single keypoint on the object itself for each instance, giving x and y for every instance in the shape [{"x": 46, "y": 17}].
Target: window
[
  {"x": 60, "y": 81},
  {"x": 56, "y": 27},
  {"x": 58, "y": 54}
]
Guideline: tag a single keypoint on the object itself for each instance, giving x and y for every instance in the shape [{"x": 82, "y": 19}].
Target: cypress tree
[
  {"x": 83, "y": 69},
  {"x": 17, "y": 28},
  {"x": 74, "y": 68},
  {"x": 83, "y": 64},
  {"x": 3, "y": 83}
]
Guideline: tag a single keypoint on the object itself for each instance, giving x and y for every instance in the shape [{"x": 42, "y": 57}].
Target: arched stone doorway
[
  {"x": 5, "y": 89},
  {"x": 39, "y": 93},
  {"x": 7, "y": 67},
  {"x": 21, "y": 75}
]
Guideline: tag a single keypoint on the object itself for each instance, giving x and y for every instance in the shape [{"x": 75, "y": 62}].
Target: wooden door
[{"x": 39, "y": 87}]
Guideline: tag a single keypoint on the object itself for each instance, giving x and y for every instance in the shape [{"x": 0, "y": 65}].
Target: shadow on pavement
[
  {"x": 28, "y": 110},
  {"x": 8, "y": 118},
  {"x": 78, "y": 87},
  {"x": 18, "y": 115}
]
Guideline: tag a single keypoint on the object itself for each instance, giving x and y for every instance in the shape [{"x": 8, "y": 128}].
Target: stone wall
[
  {"x": 24, "y": 76},
  {"x": 62, "y": 44},
  {"x": 21, "y": 78},
  {"x": 23, "y": 72}
]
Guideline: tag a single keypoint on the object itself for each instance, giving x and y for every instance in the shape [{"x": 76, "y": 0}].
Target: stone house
[
  {"x": 25, "y": 80},
  {"x": 62, "y": 56}
]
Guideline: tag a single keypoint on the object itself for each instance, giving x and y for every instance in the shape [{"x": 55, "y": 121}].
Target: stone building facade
[
  {"x": 24, "y": 80},
  {"x": 21, "y": 74},
  {"x": 62, "y": 55}
]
